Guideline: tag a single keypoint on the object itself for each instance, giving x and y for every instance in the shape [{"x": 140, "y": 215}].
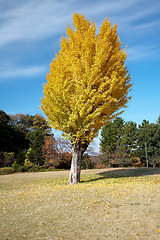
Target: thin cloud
[
  {"x": 148, "y": 25},
  {"x": 148, "y": 10},
  {"x": 34, "y": 19},
  {"x": 22, "y": 72},
  {"x": 110, "y": 8},
  {"x": 141, "y": 52}
]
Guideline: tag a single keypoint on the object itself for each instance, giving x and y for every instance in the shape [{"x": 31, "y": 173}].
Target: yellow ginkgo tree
[{"x": 87, "y": 85}]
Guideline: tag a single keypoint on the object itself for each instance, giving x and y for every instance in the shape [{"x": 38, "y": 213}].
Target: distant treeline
[
  {"x": 27, "y": 143},
  {"x": 128, "y": 144}
]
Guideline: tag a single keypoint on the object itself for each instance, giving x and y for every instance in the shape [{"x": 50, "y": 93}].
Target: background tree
[
  {"x": 126, "y": 152},
  {"x": 24, "y": 122},
  {"x": 129, "y": 137},
  {"x": 158, "y": 121},
  {"x": 6, "y": 159},
  {"x": 20, "y": 132},
  {"x": 63, "y": 145},
  {"x": 37, "y": 139},
  {"x": 63, "y": 150},
  {"x": 49, "y": 153},
  {"x": 111, "y": 138},
  {"x": 64, "y": 160},
  {"x": 148, "y": 134},
  {"x": 118, "y": 142},
  {"x": 12, "y": 139},
  {"x": 90, "y": 157},
  {"x": 119, "y": 125},
  {"x": 87, "y": 85},
  {"x": 5, "y": 140},
  {"x": 108, "y": 142},
  {"x": 41, "y": 123}
]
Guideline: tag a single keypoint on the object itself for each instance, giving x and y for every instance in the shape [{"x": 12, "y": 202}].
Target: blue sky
[{"x": 30, "y": 31}]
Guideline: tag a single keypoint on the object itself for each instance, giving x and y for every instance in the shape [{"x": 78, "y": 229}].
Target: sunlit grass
[{"x": 117, "y": 204}]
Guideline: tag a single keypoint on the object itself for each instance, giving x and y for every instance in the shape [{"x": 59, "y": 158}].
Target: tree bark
[{"x": 77, "y": 152}]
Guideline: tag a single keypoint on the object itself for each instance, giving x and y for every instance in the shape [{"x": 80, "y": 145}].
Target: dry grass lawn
[{"x": 108, "y": 204}]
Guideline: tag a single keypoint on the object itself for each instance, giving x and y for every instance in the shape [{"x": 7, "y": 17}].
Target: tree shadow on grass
[{"x": 125, "y": 172}]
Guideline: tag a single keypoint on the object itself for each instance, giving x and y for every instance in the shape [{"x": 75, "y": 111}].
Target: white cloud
[
  {"x": 22, "y": 72},
  {"x": 40, "y": 19},
  {"x": 145, "y": 26},
  {"x": 141, "y": 52},
  {"x": 33, "y": 20},
  {"x": 142, "y": 10}
]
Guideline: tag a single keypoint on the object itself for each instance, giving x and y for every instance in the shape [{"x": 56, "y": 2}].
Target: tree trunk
[{"x": 77, "y": 152}]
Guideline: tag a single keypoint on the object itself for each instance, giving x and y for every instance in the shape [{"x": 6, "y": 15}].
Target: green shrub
[
  {"x": 28, "y": 164},
  {"x": 6, "y": 170},
  {"x": 34, "y": 169},
  {"x": 19, "y": 168}
]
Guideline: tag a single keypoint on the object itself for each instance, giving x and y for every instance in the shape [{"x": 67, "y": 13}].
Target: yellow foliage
[{"x": 88, "y": 81}]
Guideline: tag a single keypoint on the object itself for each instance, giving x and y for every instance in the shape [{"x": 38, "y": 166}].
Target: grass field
[{"x": 109, "y": 204}]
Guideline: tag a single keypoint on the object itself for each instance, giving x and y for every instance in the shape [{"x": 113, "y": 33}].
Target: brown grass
[{"x": 109, "y": 204}]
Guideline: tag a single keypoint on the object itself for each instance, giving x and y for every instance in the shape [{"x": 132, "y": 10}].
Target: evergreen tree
[
  {"x": 149, "y": 136},
  {"x": 36, "y": 143},
  {"x": 129, "y": 137},
  {"x": 119, "y": 126},
  {"x": 111, "y": 137},
  {"x": 108, "y": 141},
  {"x": 118, "y": 140},
  {"x": 37, "y": 139}
]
